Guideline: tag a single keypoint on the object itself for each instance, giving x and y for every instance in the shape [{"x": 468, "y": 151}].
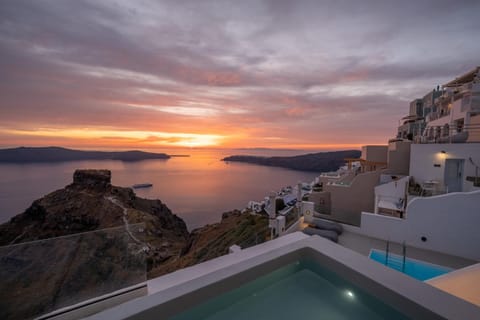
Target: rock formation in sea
[
  {"x": 104, "y": 238},
  {"x": 92, "y": 203}
]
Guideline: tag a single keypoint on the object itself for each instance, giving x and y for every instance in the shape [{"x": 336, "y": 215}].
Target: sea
[{"x": 197, "y": 188}]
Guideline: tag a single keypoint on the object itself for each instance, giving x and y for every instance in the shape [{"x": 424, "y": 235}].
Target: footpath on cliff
[
  {"x": 98, "y": 232},
  {"x": 92, "y": 203}
]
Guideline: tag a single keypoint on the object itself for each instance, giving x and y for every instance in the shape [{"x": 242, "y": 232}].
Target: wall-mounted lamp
[{"x": 442, "y": 155}]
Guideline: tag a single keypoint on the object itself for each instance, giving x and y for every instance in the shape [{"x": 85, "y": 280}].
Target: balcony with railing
[
  {"x": 437, "y": 115},
  {"x": 455, "y": 133}
]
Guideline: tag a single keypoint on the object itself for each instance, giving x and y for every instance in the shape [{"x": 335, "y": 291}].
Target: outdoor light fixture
[
  {"x": 443, "y": 151},
  {"x": 349, "y": 294}
]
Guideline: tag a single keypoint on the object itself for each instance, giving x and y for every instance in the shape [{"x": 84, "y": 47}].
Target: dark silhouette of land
[
  {"x": 317, "y": 162},
  {"x": 58, "y": 154}
]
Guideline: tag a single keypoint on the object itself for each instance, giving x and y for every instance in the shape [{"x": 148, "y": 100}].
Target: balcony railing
[{"x": 39, "y": 277}]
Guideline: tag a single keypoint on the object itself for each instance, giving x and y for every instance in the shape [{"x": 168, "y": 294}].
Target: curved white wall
[{"x": 450, "y": 223}]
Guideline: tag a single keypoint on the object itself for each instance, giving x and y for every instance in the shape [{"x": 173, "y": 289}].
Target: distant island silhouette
[
  {"x": 316, "y": 162},
  {"x": 58, "y": 154}
]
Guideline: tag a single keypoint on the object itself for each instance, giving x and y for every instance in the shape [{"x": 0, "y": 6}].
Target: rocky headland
[
  {"x": 316, "y": 162},
  {"x": 92, "y": 203},
  {"x": 120, "y": 235}
]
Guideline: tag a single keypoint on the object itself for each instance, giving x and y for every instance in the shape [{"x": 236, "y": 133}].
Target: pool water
[
  {"x": 417, "y": 269},
  {"x": 302, "y": 290}
]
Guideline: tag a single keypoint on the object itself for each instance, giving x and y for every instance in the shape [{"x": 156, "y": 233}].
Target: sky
[{"x": 148, "y": 75}]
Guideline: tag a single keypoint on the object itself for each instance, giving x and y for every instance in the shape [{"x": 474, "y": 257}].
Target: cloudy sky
[{"x": 278, "y": 74}]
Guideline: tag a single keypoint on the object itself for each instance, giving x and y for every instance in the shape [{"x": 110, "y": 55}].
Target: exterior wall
[
  {"x": 475, "y": 97},
  {"x": 374, "y": 153},
  {"x": 322, "y": 201},
  {"x": 457, "y": 112},
  {"x": 474, "y": 131},
  {"x": 349, "y": 201},
  {"x": 449, "y": 223},
  {"x": 423, "y": 157},
  {"x": 416, "y": 108},
  {"x": 398, "y": 157}
]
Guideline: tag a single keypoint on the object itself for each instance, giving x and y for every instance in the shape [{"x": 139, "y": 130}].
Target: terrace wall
[{"x": 449, "y": 223}]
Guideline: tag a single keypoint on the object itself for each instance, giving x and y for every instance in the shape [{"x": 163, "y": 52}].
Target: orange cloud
[{"x": 139, "y": 138}]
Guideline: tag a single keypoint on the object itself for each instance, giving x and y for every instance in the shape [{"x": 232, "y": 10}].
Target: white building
[
  {"x": 427, "y": 198},
  {"x": 450, "y": 114}
]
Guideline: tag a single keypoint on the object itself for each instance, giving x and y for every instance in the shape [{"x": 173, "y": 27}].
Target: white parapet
[
  {"x": 460, "y": 283},
  {"x": 280, "y": 225},
  {"x": 446, "y": 223}
]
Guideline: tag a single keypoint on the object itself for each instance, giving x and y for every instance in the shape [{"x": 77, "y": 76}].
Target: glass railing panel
[{"x": 45, "y": 275}]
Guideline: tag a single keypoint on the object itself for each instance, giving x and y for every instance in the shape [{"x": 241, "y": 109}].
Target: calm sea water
[{"x": 198, "y": 188}]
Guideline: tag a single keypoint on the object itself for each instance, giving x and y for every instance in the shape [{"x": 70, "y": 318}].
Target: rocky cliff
[
  {"x": 211, "y": 241},
  {"x": 92, "y": 203},
  {"x": 104, "y": 238}
]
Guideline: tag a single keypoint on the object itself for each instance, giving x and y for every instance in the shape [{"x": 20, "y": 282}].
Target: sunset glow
[
  {"x": 121, "y": 138},
  {"x": 123, "y": 75}
]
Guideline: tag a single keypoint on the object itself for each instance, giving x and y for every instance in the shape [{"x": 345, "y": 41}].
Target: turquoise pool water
[
  {"x": 415, "y": 268},
  {"x": 302, "y": 290}
]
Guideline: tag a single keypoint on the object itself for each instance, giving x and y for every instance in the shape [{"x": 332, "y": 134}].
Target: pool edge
[{"x": 411, "y": 297}]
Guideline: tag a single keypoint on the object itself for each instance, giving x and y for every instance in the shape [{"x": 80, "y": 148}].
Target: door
[{"x": 454, "y": 175}]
